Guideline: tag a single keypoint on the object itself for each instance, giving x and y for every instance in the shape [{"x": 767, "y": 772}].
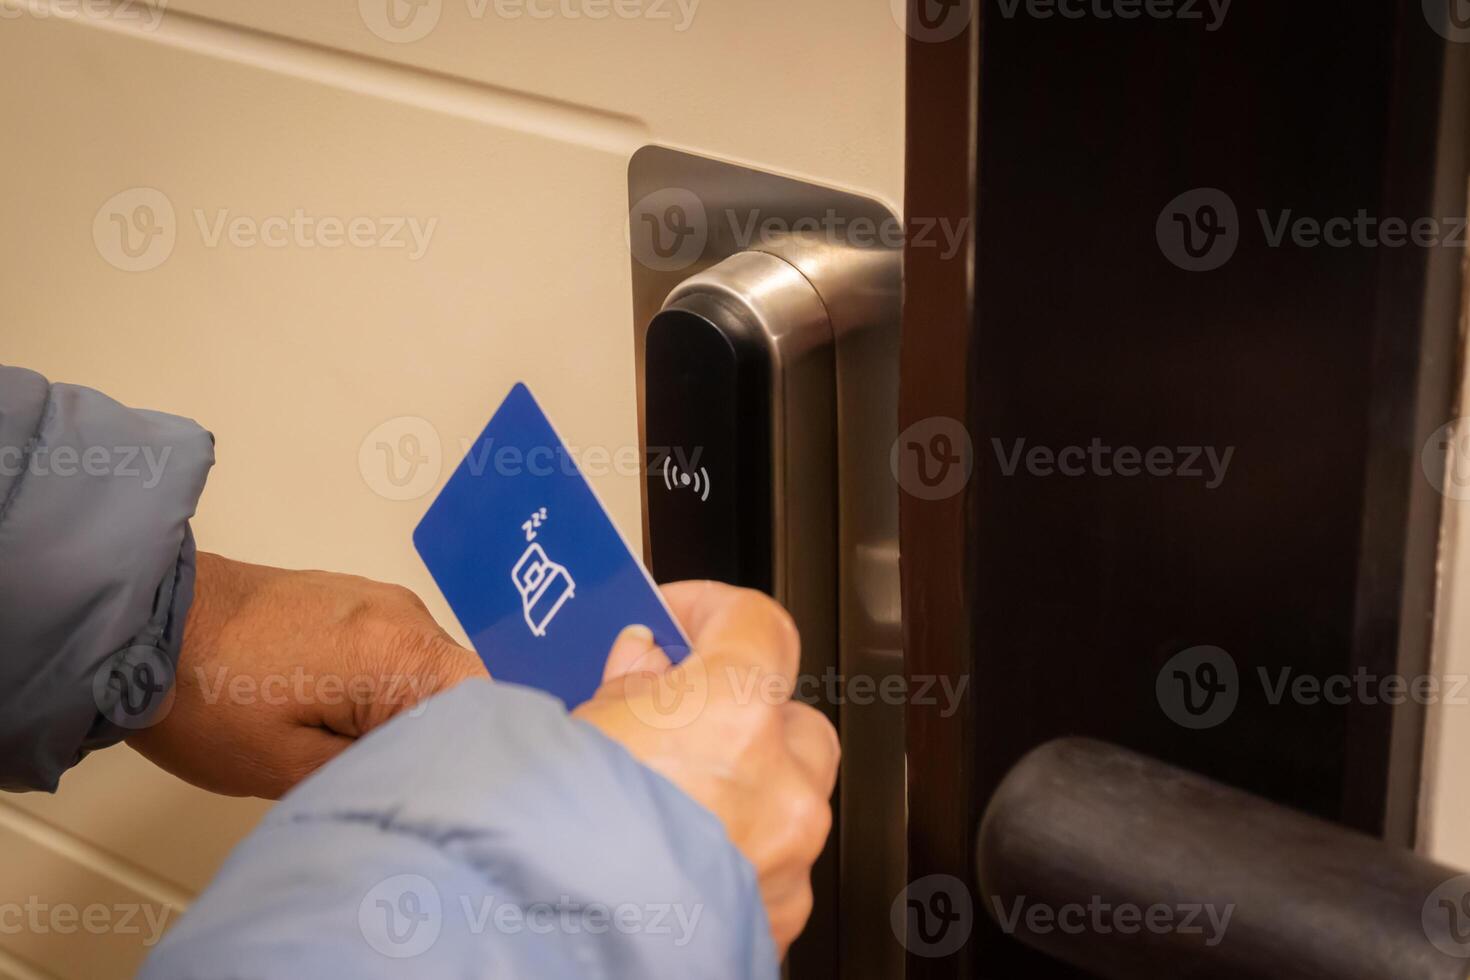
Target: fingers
[
  {"x": 737, "y": 624},
  {"x": 788, "y": 913},
  {"x": 719, "y": 727},
  {"x": 634, "y": 651},
  {"x": 692, "y": 603},
  {"x": 813, "y": 744}
]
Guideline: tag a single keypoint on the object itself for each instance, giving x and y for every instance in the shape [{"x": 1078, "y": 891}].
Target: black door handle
[{"x": 1084, "y": 841}]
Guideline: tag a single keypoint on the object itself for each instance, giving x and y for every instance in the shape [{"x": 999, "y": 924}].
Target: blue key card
[{"x": 540, "y": 578}]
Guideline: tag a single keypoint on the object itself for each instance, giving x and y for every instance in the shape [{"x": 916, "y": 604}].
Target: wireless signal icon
[{"x": 698, "y": 482}]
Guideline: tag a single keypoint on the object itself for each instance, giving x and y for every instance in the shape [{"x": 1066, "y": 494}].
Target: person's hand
[
  {"x": 281, "y": 670},
  {"x": 721, "y": 726}
]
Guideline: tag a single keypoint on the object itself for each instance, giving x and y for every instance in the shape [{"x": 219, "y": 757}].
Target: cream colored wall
[
  {"x": 1445, "y": 833},
  {"x": 512, "y": 134}
]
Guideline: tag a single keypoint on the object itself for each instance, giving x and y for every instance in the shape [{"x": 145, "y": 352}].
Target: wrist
[{"x": 212, "y": 582}]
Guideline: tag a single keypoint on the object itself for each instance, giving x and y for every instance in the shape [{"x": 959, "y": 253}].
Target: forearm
[{"x": 484, "y": 834}]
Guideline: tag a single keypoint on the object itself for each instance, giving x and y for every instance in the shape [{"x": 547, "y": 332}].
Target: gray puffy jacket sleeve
[{"x": 96, "y": 567}]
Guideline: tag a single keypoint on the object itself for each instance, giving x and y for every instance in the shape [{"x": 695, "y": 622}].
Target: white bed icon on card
[
  {"x": 533, "y": 566},
  {"x": 544, "y": 586}
]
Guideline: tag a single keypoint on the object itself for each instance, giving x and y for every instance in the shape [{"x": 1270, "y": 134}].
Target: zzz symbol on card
[{"x": 544, "y": 586}]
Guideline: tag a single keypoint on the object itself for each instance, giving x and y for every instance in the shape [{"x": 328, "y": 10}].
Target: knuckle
[
  {"x": 755, "y": 718},
  {"x": 404, "y": 598},
  {"x": 820, "y": 823},
  {"x": 788, "y": 639},
  {"x": 805, "y": 901},
  {"x": 812, "y": 717},
  {"x": 834, "y": 741},
  {"x": 727, "y": 712},
  {"x": 408, "y": 645},
  {"x": 821, "y": 744},
  {"x": 755, "y": 604},
  {"x": 766, "y": 725},
  {"x": 786, "y": 621},
  {"x": 766, "y": 713},
  {"x": 795, "y": 914},
  {"x": 806, "y": 812},
  {"x": 357, "y": 613},
  {"x": 807, "y": 822},
  {"x": 822, "y": 827}
]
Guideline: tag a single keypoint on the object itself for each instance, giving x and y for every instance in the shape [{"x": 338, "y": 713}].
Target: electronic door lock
[
  {"x": 740, "y": 409},
  {"x": 767, "y": 355}
]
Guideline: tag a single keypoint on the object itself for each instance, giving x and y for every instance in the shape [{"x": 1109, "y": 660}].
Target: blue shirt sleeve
[
  {"x": 96, "y": 569},
  {"x": 484, "y": 834}
]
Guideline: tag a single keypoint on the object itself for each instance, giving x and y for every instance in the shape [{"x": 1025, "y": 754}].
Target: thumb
[{"x": 634, "y": 651}]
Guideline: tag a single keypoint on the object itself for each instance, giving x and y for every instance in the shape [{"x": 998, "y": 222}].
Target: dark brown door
[{"x": 1202, "y": 330}]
